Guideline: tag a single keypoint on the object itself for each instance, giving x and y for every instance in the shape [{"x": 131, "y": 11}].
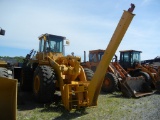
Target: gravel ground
[{"x": 144, "y": 108}]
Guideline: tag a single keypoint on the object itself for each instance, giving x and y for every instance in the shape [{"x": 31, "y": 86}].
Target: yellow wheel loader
[{"x": 49, "y": 70}]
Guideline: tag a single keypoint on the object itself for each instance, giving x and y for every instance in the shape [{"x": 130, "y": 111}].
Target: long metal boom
[{"x": 98, "y": 77}]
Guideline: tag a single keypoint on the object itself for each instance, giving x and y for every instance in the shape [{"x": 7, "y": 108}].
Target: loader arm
[{"x": 98, "y": 77}]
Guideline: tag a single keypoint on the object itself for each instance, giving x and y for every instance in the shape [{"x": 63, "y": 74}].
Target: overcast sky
[{"x": 88, "y": 24}]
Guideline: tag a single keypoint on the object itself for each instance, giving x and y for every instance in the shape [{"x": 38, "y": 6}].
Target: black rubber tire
[
  {"x": 158, "y": 86},
  {"x": 26, "y": 79},
  {"x": 89, "y": 74},
  {"x": 47, "y": 84},
  {"x": 145, "y": 75},
  {"x": 3, "y": 72},
  {"x": 110, "y": 83}
]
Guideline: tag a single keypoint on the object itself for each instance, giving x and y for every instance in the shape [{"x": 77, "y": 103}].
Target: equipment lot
[{"x": 110, "y": 106}]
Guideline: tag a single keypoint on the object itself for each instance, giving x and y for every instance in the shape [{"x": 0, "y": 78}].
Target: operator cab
[
  {"x": 51, "y": 43},
  {"x": 128, "y": 58},
  {"x": 95, "y": 55}
]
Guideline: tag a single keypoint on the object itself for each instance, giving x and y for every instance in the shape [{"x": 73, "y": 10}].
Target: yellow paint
[
  {"x": 8, "y": 98},
  {"x": 96, "y": 82}
]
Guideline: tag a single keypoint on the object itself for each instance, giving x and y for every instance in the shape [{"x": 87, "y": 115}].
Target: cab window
[{"x": 41, "y": 45}]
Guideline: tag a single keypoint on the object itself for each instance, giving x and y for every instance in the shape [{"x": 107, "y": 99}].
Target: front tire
[
  {"x": 89, "y": 74},
  {"x": 44, "y": 84},
  {"x": 144, "y": 74},
  {"x": 26, "y": 79},
  {"x": 146, "y": 77},
  {"x": 110, "y": 83}
]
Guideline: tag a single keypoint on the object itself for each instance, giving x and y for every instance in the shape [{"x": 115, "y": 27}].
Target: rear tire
[
  {"x": 26, "y": 79},
  {"x": 44, "y": 84},
  {"x": 89, "y": 74},
  {"x": 110, "y": 83},
  {"x": 3, "y": 72}
]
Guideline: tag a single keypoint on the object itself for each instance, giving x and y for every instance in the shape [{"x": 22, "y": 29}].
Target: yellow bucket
[{"x": 8, "y": 99}]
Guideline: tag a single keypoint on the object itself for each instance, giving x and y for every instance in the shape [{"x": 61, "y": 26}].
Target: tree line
[{"x": 16, "y": 58}]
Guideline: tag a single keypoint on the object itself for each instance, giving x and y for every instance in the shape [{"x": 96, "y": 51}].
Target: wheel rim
[
  {"x": 107, "y": 82},
  {"x": 36, "y": 84}
]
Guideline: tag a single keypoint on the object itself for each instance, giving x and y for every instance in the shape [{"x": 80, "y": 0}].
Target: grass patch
[{"x": 110, "y": 107}]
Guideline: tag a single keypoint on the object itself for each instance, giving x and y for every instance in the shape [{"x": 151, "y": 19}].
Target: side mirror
[
  {"x": 66, "y": 42},
  {"x": 2, "y": 32}
]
